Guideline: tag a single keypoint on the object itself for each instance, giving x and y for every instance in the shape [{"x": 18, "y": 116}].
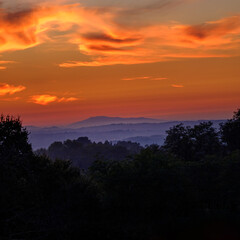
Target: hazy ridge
[{"x": 142, "y": 132}]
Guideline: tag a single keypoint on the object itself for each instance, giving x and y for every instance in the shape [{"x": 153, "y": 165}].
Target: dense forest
[
  {"x": 82, "y": 152},
  {"x": 188, "y": 188}
]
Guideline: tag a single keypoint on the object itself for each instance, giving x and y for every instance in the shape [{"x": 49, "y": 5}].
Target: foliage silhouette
[
  {"x": 191, "y": 144},
  {"x": 189, "y": 188},
  {"x": 230, "y": 132},
  {"x": 82, "y": 152}
]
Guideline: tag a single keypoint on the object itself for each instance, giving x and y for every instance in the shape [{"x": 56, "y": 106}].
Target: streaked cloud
[
  {"x": 144, "y": 78},
  {"x": 70, "y": 99},
  {"x": 155, "y": 6},
  {"x": 135, "y": 78},
  {"x": 223, "y": 29},
  {"x": 177, "y": 86},
  {"x": 10, "y": 89},
  {"x": 158, "y": 43},
  {"x": 98, "y": 34},
  {"x": 159, "y": 78},
  {"x": 12, "y": 99},
  {"x": 45, "y": 99},
  {"x": 4, "y": 63}
]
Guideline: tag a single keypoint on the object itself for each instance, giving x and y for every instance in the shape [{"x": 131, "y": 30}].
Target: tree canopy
[
  {"x": 230, "y": 132},
  {"x": 189, "y": 188}
]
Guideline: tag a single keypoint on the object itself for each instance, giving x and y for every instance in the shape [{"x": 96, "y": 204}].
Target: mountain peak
[{"x": 105, "y": 120}]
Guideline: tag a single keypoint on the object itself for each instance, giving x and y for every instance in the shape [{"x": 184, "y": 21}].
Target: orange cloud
[
  {"x": 177, "y": 86},
  {"x": 98, "y": 35},
  {"x": 10, "y": 89},
  {"x": 4, "y": 63},
  {"x": 158, "y": 78},
  {"x": 135, "y": 78},
  {"x": 43, "y": 99},
  {"x": 157, "y": 43},
  {"x": 46, "y": 99},
  {"x": 29, "y": 28},
  {"x": 215, "y": 29},
  {"x": 70, "y": 99},
  {"x": 144, "y": 78},
  {"x": 10, "y": 99}
]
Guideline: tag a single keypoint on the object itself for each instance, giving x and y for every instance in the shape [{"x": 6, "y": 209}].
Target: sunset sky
[{"x": 64, "y": 61}]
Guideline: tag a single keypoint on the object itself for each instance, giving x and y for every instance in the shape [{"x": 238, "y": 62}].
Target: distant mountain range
[
  {"x": 103, "y": 120},
  {"x": 106, "y": 129}
]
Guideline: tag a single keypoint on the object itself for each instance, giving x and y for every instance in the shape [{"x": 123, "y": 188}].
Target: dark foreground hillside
[{"x": 187, "y": 189}]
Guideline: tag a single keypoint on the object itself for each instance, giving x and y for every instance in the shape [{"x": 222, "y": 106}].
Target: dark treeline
[
  {"x": 82, "y": 152},
  {"x": 189, "y": 188}
]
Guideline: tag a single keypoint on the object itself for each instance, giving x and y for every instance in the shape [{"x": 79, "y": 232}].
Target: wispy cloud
[
  {"x": 156, "y": 6},
  {"x": 3, "y": 63},
  {"x": 10, "y": 89},
  {"x": 223, "y": 29},
  {"x": 158, "y": 78},
  {"x": 135, "y": 78},
  {"x": 12, "y": 99},
  {"x": 70, "y": 99},
  {"x": 177, "y": 86},
  {"x": 144, "y": 78},
  {"x": 46, "y": 99},
  {"x": 160, "y": 43},
  {"x": 98, "y": 35}
]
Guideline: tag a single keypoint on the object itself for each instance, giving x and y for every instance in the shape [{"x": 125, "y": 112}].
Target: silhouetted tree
[
  {"x": 193, "y": 143},
  {"x": 230, "y": 132},
  {"x": 13, "y": 138},
  {"x": 205, "y": 140},
  {"x": 178, "y": 142},
  {"x": 40, "y": 198}
]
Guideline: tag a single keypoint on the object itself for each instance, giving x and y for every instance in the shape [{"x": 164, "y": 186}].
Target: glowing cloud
[
  {"x": 158, "y": 79},
  {"x": 4, "y": 63},
  {"x": 99, "y": 35},
  {"x": 157, "y": 43},
  {"x": 70, "y": 99},
  {"x": 46, "y": 99},
  {"x": 177, "y": 86},
  {"x": 144, "y": 78},
  {"x": 10, "y": 89},
  {"x": 220, "y": 29},
  {"x": 135, "y": 78},
  {"x": 10, "y": 99},
  {"x": 43, "y": 99}
]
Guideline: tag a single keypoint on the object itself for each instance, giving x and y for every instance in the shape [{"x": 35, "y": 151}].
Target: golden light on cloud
[
  {"x": 10, "y": 99},
  {"x": 159, "y": 78},
  {"x": 46, "y": 99},
  {"x": 177, "y": 86},
  {"x": 10, "y": 89},
  {"x": 157, "y": 43},
  {"x": 53, "y": 45},
  {"x": 70, "y": 99},
  {"x": 144, "y": 78},
  {"x": 3, "y": 63},
  {"x": 110, "y": 43},
  {"x": 135, "y": 78},
  {"x": 43, "y": 99}
]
